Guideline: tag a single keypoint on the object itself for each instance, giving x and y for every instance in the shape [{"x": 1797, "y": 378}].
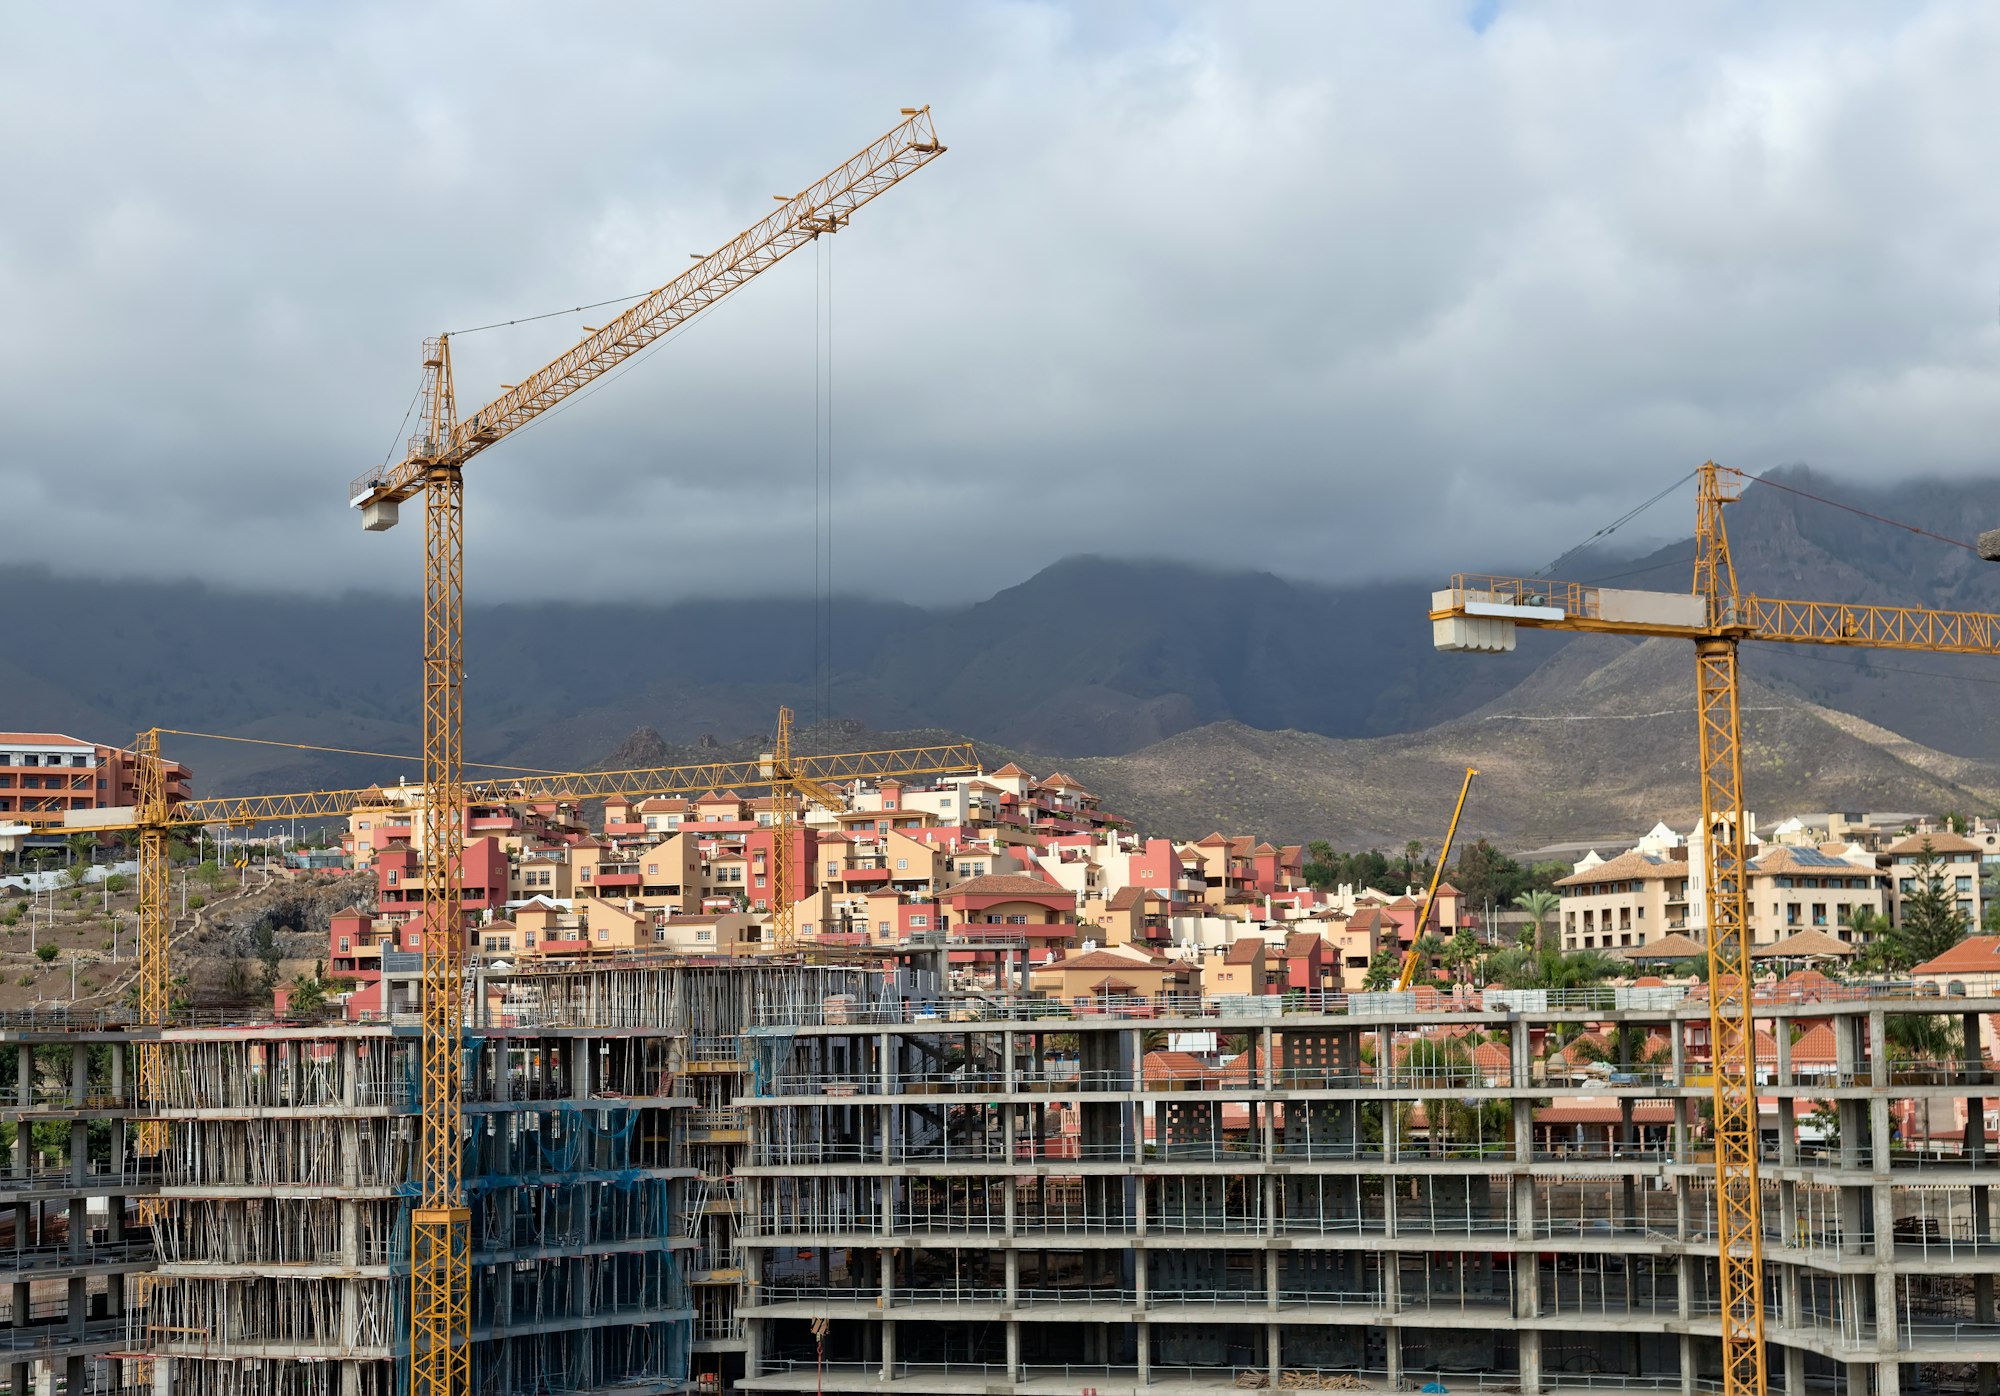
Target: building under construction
[{"x": 779, "y": 1177}]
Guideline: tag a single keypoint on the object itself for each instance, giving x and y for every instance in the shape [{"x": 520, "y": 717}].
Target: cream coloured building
[{"x": 1639, "y": 897}]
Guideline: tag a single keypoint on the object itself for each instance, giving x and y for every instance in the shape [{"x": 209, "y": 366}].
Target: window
[
  {"x": 344, "y": 945},
  {"x": 882, "y": 928},
  {"x": 603, "y": 934},
  {"x": 652, "y": 823},
  {"x": 903, "y": 865},
  {"x": 833, "y": 870},
  {"x": 1017, "y": 920},
  {"x": 392, "y": 877},
  {"x": 652, "y": 869},
  {"x": 704, "y": 935},
  {"x": 1965, "y": 885},
  {"x": 760, "y": 879},
  {"x": 920, "y": 922},
  {"x": 761, "y": 906}
]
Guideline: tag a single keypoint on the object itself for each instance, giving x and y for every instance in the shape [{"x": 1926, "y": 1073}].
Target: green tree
[
  {"x": 1462, "y": 954},
  {"x": 1931, "y": 922},
  {"x": 1540, "y": 906},
  {"x": 1413, "y": 858},
  {"x": 1955, "y": 822},
  {"x": 1383, "y": 971},
  {"x": 1454, "y": 1126},
  {"x": 1925, "y": 1040},
  {"x": 116, "y": 883},
  {"x": 1527, "y": 967}
]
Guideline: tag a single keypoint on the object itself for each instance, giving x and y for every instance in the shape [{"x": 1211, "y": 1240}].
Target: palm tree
[
  {"x": 1540, "y": 905},
  {"x": 1462, "y": 954},
  {"x": 1927, "y": 1040},
  {"x": 1413, "y": 854}
]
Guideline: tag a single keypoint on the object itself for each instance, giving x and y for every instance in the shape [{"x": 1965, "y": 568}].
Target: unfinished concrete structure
[
  {"x": 283, "y": 1227},
  {"x": 989, "y": 1199},
  {"x": 69, "y": 1235}
]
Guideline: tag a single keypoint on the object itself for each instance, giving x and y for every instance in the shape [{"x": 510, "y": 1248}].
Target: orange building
[{"x": 45, "y": 775}]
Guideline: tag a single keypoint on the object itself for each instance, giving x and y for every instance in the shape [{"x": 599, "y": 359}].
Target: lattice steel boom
[{"x": 1481, "y": 613}]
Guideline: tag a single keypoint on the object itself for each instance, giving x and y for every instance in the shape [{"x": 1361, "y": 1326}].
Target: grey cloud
[{"x": 1333, "y": 291}]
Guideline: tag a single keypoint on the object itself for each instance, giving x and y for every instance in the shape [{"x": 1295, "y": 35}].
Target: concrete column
[
  {"x": 1795, "y": 1370},
  {"x": 886, "y": 1057},
  {"x": 24, "y": 1075},
  {"x": 79, "y": 1075},
  {"x": 888, "y": 1278},
  {"x": 1878, "y": 1048},
  {"x": 1273, "y": 1352},
  {"x": 1014, "y": 1349},
  {"x": 1687, "y": 1348},
  {"x": 889, "y": 1348},
  {"x": 1013, "y": 1263},
  {"x": 1530, "y": 1341},
  {"x": 1781, "y": 1033}
]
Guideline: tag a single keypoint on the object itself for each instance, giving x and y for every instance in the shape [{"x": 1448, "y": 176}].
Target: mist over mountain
[{"x": 1091, "y": 657}]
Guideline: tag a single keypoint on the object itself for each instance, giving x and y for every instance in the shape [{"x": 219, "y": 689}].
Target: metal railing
[{"x": 1596, "y": 998}]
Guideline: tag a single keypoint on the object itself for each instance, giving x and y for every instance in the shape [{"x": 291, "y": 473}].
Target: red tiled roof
[
  {"x": 1106, "y": 959},
  {"x": 1247, "y": 950},
  {"x": 1006, "y": 885},
  {"x": 1973, "y": 955}
]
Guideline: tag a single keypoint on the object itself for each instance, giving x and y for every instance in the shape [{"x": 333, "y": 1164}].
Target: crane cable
[
  {"x": 1878, "y": 518},
  {"x": 349, "y": 751}
]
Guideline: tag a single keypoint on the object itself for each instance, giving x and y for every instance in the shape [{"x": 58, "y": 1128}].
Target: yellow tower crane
[
  {"x": 808, "y": 776},
  {"x": 440, "y": 1313},
  {"x": 1481, "y": 613}
]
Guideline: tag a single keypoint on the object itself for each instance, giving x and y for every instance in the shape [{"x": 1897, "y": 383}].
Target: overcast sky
[{"x": 1330, "y": 290}]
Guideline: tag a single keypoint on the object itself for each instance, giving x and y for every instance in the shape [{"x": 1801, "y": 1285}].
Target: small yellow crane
[{"x": 1411, "y": 957}]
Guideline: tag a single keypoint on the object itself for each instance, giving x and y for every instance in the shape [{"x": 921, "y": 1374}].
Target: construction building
[
  {"x": 677, "y": 1168},
  {"x": 69, "y": 1204},
  {"x": 995, "y": 1201},
  {"x": 45, "y": 776},
  {"x": 286, "y": 1185}
]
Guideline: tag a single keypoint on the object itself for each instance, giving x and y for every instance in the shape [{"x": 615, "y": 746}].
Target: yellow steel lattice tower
[
  {"x": 1480, "y": 613},
  {"x": 441, "y": 1224},
  {"x": 784, "y": 831},
  {"x": 441, "y": 1261},
  {"x": 155, "y": 987},
  {"x": 1726, "y": 899},
  {"x": 789, "y": 782}
]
